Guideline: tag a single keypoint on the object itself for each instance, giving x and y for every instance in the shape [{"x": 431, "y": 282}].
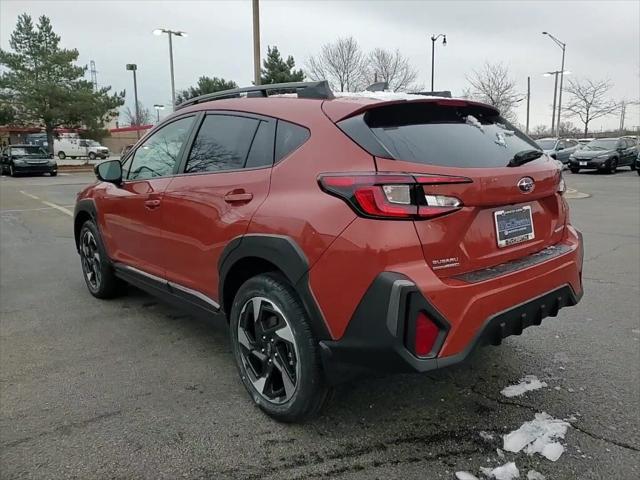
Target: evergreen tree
[
  {"x": 205, "y": 85},
  {"x": 42, "y": 85},
  {"x": 277, "y": 70}
]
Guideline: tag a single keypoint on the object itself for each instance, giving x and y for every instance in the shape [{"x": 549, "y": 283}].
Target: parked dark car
[
  {"x": 638, "y": 163},
  {"x": 559, "y": 148},
  {"x": 605, "y": 155},
  {"x": 17, "y": 159}
]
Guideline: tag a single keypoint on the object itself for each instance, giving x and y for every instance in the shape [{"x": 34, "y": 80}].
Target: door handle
[
  {"x": 238, "y": 196},
  {"x": 151, "y": 204}
]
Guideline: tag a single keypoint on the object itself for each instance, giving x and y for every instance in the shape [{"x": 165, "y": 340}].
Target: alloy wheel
[
  {"x": 268, "y": 350},
  {"x": 90, "y": 260}
]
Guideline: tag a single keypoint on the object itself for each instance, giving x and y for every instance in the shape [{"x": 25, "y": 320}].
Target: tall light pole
[
  {"x": 256, "y": 42},
  {"x": 133, "y": 67},
  {"x": 171, "y": 33},
  {"x": 563, "y": 46},
  {"x": 435, "y": 37},
  {"x": 528, "y": 101},
  {"x": 554, "y": 124},
  {"x": 158, "y": 107}
]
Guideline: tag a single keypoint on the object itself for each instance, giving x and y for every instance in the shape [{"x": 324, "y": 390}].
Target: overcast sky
[{"x": 602, "y": 37}]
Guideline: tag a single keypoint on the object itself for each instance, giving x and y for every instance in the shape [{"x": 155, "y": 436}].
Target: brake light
[
  {"x": 393, "y": 196},
  {"x": 425, "y": 336}
]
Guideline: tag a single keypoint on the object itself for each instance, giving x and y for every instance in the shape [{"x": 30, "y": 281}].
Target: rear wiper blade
[{"x": 523, "y": 157}]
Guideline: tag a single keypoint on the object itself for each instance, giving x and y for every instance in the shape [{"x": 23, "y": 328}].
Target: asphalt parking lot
[{"x": 132, "y": 388}]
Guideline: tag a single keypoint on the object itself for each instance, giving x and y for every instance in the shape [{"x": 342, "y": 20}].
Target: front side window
[
  {"x": 222, "y": 143},
  {"x": 160, "y": 153}
]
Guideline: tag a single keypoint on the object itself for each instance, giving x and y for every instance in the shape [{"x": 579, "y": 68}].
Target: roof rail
[{"x": 319, "y": 90}]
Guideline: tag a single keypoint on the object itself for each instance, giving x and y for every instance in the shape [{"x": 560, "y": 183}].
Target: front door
[
  {"x": 225, "y": 178},
  {"x": 132, "y": 213}
]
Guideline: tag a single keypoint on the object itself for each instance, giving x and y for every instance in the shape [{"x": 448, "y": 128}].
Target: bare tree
[
  {"x": 588, "y": 101},
  {"x": 540, "y": 131},
  {"x": 144, "y": 116},
  {"x": 493, "y": 85},
  {"x": 341, "y": 63},
  {"x": 392, "y": 68}
]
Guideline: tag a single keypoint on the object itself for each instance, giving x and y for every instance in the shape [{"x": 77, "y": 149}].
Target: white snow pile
[
  {"x": 508, "y": 471},
  {"x": 388, "y": 96},
  {"x": 465, "y": 476},
  {"x": 527, "y": 383},
  {"x": 474, "y": 122},
  {"x": 533, "y": 475},
  {"x": 539, "y": 435}
]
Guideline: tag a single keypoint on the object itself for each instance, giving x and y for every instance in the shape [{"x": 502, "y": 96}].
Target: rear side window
[
  {"x": 447, "y": 135},
  {"x": 261, "y": 153},
  {"x": 288, "y": 138},
  {"x": 222, "y": 143}
]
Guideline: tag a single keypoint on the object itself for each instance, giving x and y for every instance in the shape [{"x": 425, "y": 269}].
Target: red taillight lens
[
  {"x": 393, "y": 196},
  {"x": 425, "y": 336}
]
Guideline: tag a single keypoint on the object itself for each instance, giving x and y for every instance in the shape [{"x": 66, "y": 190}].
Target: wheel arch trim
[{"x": 283, "y": 252}]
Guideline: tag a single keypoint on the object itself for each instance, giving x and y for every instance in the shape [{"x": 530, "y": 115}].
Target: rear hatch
[{"x": 507, "y": 212}]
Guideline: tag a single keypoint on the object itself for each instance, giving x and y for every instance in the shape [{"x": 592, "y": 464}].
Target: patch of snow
[
  {"x": 635, "y": 330},
  {"x": 500, "y": 453},
  {"x": 527, "y": 383},
  {"x": 388, "y": 96},
  {"x": 486, "y": 436},
  {"x": 474, "y": 122},
  {"x": 508, "y": 471},
  {"x": 533, "y": 475},
  {"x": 465, "y": 476},
  {"x": 500, "y": 139},
  {"x": 539, "y": 435}
]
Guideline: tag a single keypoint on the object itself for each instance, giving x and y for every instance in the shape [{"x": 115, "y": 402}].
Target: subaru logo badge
[{"x": 526, "y": 184}]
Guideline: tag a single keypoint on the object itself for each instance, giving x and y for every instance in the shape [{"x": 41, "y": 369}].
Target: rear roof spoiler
[{"x": 317, "y": 90}]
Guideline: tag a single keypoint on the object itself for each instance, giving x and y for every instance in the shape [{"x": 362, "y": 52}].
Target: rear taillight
[
  {"x": 393, "y": 196},
  {"x": 426, "y": 335}
]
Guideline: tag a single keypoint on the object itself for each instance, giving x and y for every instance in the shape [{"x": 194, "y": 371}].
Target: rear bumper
[
  {"x": 485, "y": 312},
  {"x": 590, "y": 164}
]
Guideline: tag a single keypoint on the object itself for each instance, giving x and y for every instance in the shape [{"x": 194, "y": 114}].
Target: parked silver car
[{"x": 558, "y": 148}]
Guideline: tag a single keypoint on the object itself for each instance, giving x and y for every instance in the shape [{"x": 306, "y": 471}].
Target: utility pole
[
  {"x": 563, "y": 46},
  {"x": 133, "y": 67},
  {"x": 256, "y": 42},
  {"x": 528, "y": 101}
]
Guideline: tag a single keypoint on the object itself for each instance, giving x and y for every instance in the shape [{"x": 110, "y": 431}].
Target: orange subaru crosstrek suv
[{"x": 340, "y": 235}]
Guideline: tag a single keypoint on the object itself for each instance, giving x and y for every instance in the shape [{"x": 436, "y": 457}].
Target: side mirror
[
  {"x": 559, "y": 147},
  {"x": 109, "y": 171},
  {"x": 51, "y": 155}
]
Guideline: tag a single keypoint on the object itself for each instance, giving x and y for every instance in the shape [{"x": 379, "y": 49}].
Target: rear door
[
  {"x": 508, "y": 212},
  {"x": 224, "y": 179}
]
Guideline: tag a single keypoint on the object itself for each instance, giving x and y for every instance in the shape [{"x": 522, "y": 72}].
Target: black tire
[
  {"x": 280, "y": 310},
  {"x": 98, "y": 273},
  {"x": 92, "y": 156},
  {"x": 613, "y": 166},
  {"x": 53, "y": 174},
  {"x": 61, "y": 155},
  {"x": 633, "y": 165},
  {"x": 575, "y": 170},
  {"x": 12, "y": 170}
]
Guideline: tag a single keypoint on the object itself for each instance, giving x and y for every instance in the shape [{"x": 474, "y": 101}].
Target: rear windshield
[
  {"x": 26, "y": 151},
  {"x": 446, "y": 135},
  {"x": 547, "y": 144}
]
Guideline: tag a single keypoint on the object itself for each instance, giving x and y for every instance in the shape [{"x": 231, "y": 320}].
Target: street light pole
[
  {"x": 555, "y": 94},
  {"x": 158, "y": 107},
  {"x": 528, "y": 101},
  {"x": 435, "y": 37},
  {"x": 133, "y": 67},
  {"x": 171, "y": 33},
  {"x": 563, "y": 46}
]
